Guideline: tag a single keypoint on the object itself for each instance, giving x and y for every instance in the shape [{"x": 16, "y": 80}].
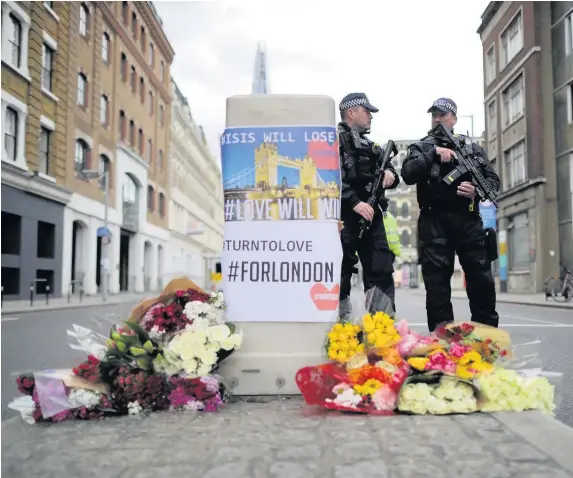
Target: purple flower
[
  {"x": 213, "y": 404},
  {"x": 178, "y": 398},
  {"x": 211, "y": 383}
]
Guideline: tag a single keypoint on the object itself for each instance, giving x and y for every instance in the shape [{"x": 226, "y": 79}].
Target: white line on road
[
  {"x": 501, "y": 326},
  {"x": 8, "y": 319},
  {"x": 518, "y": 317}
]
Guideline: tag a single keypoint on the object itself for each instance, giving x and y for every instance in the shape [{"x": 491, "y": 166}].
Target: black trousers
[
  {"x": 442, "y": 235},
  {"x": 375, "y": 255}
]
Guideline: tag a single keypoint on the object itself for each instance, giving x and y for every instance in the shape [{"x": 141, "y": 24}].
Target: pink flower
[
  {"x": 457, "y": 350},
  {"x": 384, "y": 398},
  {"x": 441, "y": 362},
  {"x": 178, "y": 397}
]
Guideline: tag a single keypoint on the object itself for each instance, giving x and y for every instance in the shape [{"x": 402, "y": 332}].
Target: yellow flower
[
  {"x": 333, "y": 336},
  {"x": 342, "y": 356},
  {"x": 419, "y": 363},
  {"x": 371, "y": 337},
  {"x": 360, "y": 348},
  {"x": 383, "y": 341},
  {"x": 482, "y": 366},
  {"x": 332, "y": 354},
  {"x": 369, "y": 387},
  {"x": 368, "y": 323},
  {"x": 471, "y": 356},
  {"x": 337, "y": 328},
  {"x": 463, "y": 372},
  {"x": 390, "y": 330},
  {"x": 353, "y": 343}
]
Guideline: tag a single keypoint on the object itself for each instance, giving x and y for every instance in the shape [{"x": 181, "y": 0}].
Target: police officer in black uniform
[
  {"x": 450, "y": 223},
  {"x": 358, "y": 163}
]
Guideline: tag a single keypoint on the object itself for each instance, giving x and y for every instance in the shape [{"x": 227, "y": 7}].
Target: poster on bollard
[{"x": 281, "y": 249}]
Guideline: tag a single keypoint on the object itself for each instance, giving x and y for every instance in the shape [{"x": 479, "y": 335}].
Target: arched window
[
  {"x": 151, "y": 55},
  {"x": 142, "y": 89},
  {"x": 161, "y": 204},
  {"x": 122, "y": 125},
  {"x": 160, "y": 160},
  {"x": 150, "y": 199},
  {"x": 140, "y": 141},
  {"x": 84, "y": 20},
  {"x": 82, "y": 90},
  {"x": 81, "y": 159},
  {"x": 105, "y": 44},
  {"x": 393, "y": 208},
  {"x": 124, "y": 12},
  {"x": 129, "y": 190},
  {"x": 405, "y": 210},
  {"x": 104, "y": 166},
  {"x": 405, "y": 238}
]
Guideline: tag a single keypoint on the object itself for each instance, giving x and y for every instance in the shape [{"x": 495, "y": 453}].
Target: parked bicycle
[{"x": 560, "y": 288}]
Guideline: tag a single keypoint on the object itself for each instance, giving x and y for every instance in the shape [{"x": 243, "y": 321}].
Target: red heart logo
[
  {"x": 323, "y": 298},
  {"x": 324, "y": 155}
]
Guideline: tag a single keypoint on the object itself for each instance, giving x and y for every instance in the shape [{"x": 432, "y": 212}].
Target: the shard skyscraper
[{"x": 260, "y": 83}]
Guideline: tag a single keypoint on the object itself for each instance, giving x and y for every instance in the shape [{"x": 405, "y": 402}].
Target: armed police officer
[
  {"x": 450, "y": 221},
  {"x": 359, "y": 158}
]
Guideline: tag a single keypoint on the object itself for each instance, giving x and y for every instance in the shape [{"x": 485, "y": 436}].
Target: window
[
  {"x": 49, "y": 4},
  {"x": 518, "y": 242},
  {"x": 81, "y": 157},
  {"x": 142, "y": 89},
  {"x": 129, "y": 190},
  {"x": 103, "y": 168},
  {"x": 405, "y": 210},
  {"x": 513, "y": 104},
  {"x": 405, "y": 238},
  {"x": 123, "y": 68},
  {"x": 492, "y": 120},
  {"x": 14, "y": 40},
  {"x": 82, "y": 90},
  {"x": 103, "y": 110},
  {"x": 570, "y": 102},
  {"x": 122, "y": 125},
  {"x": 160, "y": 160},
  {"x": 134, "y": 24},
  {"x": 46, "y": 243},
  {"x": 11, "y": 134},
  {"x": 45, "y": 139},
  {"x": 47, "y": 61},
  {"x": 569, "y": 34},
  {"x": 490, "y": 68},
  {"x": 140, "y": 141},
  {"x": 124, "y": 11},
  {"x": 161, "y": 204},
  {"x": 84, "y": 19},
  {"x": 132, "y": 133},
  {"x": 142, "y": 38},
  {"x": 393, "y": 208},
  {"x": 150, "y": 103},
  {"x": 162, "y": 71},
  {"x": 161, "y": 115},
  {"x": 105, "y": 44},
  {"x": 11, "y": 234},
  {"x": 511, "y": 40},
  {"x": 132, "y": 78},
  {"x": 515, "y": 165},
  {"x": 149, "y": 150},
  {"x": 150, "y": 199},
  {"x": 151, "y": 55}
]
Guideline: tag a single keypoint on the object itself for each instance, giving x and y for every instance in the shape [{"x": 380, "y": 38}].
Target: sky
[{"x": 403, "y": 55}]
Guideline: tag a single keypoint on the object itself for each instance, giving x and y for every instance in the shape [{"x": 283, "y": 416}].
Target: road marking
[
  {"x": 501, "y": 326},
  {"x": 9, "y": 319},
  {"x": 518, "y": 317}
]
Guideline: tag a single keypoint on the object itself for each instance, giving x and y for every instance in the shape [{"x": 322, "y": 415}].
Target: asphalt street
[{"x": 37, "y": 341}]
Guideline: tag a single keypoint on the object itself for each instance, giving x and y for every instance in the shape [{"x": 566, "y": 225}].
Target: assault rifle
[
  {"x": 466, "y": 163},
  {"x": 376, "y": 187}
]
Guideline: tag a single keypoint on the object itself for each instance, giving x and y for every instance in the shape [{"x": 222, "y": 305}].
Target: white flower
[
  {"x": 208, "y": 357},
  {"x": 196, "y": 309},
  {"x": 218, "y": 333},
  {"x": 84, "y": 398},
  {"x": 348, "y": 398},
  {"x": 233, "y": 342},
  {"x": 155, "y": 333},
  {"x": 217, "y": 300},
  {"x": 204, "y": 369},
  {"x": 134, "y": 408}
]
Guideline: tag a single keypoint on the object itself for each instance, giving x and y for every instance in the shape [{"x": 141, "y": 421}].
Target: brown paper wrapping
[
  {"x": 73, "y": 381},
  {"x": 183, "y": 283},
  {"x": 499, "y": 336}
]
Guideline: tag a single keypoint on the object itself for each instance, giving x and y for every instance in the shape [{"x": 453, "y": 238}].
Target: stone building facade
[
  {"x": 35, "y": 124},
  {"x": 119, "y": 71},
  {"x": 196, "y": 200}
]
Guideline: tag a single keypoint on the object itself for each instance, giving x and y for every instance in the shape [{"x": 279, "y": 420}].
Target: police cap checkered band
[
  {"x": 445, "y": 105},
  {"x": 356, "y": 99}
]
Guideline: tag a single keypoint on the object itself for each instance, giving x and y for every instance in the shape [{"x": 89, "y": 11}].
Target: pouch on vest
[{"x": 392, "y": 236}]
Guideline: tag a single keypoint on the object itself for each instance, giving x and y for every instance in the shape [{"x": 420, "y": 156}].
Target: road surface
[{"x": 38, "y": 340}]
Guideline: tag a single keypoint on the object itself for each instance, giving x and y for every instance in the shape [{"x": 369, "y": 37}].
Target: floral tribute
[
  {"x": 380, "y": 366},
  {"x": 163, "y": 358}
]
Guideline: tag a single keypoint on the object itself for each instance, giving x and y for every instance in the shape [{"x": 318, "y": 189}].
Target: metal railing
[{"x": 71, "y": 286}]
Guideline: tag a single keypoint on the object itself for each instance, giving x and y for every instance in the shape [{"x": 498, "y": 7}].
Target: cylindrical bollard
[
  {"x": 47, "y": 295},
  {"x": 32, "y": 295}
]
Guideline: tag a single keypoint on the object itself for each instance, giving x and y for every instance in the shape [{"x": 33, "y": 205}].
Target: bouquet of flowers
[
  {"x": 164, "y": 357},
  {"x": 437, "y": 395}
]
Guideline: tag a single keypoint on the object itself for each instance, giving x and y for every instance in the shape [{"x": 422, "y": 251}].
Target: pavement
[{"x": 285, "y": 438}]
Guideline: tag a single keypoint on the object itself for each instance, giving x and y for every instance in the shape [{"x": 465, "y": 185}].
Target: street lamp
[
  {"x": 95, "y": 174},
  {"x": 472, "y": 118}
]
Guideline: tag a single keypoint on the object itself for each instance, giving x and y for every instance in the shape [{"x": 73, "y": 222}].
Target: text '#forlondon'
[{"x": 283, "y": 271}]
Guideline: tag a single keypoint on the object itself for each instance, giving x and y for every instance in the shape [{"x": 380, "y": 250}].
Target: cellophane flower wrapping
[
  {"x": 367, "y": 370},
  {"x": 164, "y": 357},
  {"x": 519, "y": 381}
]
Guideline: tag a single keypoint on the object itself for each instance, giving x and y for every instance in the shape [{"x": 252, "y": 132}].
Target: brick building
[
  {"x": 120, "y": 104},
  {"x": 527, "y": 67},
  {"x": 35, "y": 122}
]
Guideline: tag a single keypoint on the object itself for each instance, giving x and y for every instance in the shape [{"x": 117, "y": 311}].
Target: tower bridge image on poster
[{"x": 281, "y": 173}]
